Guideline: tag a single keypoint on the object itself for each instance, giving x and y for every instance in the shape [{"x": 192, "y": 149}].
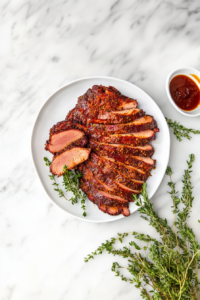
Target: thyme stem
[
  {"x": 180, "y": 131},
  {"x": 71, "y": 184}
]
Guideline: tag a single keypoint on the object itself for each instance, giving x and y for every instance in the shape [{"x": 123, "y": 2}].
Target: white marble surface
[{"x": 45, "y": 44}]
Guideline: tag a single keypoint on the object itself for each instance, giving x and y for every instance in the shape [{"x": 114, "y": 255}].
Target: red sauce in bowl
[{"x": 185, "y": 92}]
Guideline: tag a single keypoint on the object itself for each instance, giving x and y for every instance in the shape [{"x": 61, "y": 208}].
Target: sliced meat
[
  {"x": 63, "y": 139},
  {"x": 103, "y": 208},
  {"x": 107, "y": 185},
  {"x": 104, "y": 98},
  {"x": 89, "y": 185},
  {"x": 142, "y": 124},
  {"x": 118, "y": 134},
  {"x": 113, "y": 197},
  {"x": 105, "y": 162},
  {"x": 71, "y": 158},
  {"x": 119, "y": 149},
  {"x": 112, "y": 114},
  {"x": 133, "y": 184},
  {"x": 127, "y": 105},
  {"x": 133, "y": 139},
  {"x": 113, "y": 210},
  {"x": 119, "y": 189},
  {"x": 77, "y": 116},
  {"x": 125, "y": 211},
  {"x": 143, "y": 163},
  {"x": 104, "y": 203},
  {"x": 106, "y": 174},
  {"x": 85, "y": 117},
  {"x": 65, "y": 125},
  {"x": 116, "y": 117},
  {"x": 114, "y": 187}
]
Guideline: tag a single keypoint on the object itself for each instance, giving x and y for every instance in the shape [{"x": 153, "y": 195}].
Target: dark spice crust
[
  {"x": 107, "y": 149},
  {"x": 65, "y": 125},
  {"x": 103, "y": 98},
  {"x": 132, "y": 161},
  {"x": 99, "y": 130},
  {"x": 115, "y": 166},
  {"x": 126, "y": 140}
]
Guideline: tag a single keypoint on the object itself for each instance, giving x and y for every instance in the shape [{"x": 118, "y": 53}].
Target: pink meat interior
[
  {"x": 70, "y": 158},
  {"x": 62, "y": 139}
]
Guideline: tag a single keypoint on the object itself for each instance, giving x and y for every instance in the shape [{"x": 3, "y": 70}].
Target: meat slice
[
  {"x": 103, "y": 197},
  {"x": 125, "y": 211},
  {"x": 116, "y": 117},
  {"x": 77, "y": 116},
  {"x": 132, "y": 139},
  {"x": 104, "y": 203},
  {"x": 120, "y": 189},
  {"x": 143, "y": 163},
  {"x": 71, "y": 158},
  {"x": 106, "y": 174},
  {"x": 63, "y": 139},
  {"x": 132, "y": 172},
  {"x": 119, "y": 149},
  {"x": 114, "y": 187},
  {"x": 121, "y": 194},
  {"x": 130, "y": 183},
  {"x": 66, "y": 125},
  {"x": 142, "y": 124},
  {"x": 104, "y": 98},
  {"x": 113, "y": 197}
]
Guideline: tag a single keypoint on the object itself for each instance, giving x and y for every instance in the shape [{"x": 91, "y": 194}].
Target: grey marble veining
[{"x": 45, "y": 44}]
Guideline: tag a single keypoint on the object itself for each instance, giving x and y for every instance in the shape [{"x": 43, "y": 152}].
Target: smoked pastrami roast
[{"x": 106, "y": 136}]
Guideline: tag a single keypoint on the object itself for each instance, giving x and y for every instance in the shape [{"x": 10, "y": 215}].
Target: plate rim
[{"x": 32, "y": 133}]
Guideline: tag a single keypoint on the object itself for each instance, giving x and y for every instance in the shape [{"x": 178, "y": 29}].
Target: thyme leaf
[
  {"x": 180, "y": 131},
  {"x": 71, "y": 184},
  {"x": 171, "y": 263}
]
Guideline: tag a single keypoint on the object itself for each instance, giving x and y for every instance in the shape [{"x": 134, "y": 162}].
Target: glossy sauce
[
  {"x": 184, "y": 92},
  {"x": 196, "y": 77}
]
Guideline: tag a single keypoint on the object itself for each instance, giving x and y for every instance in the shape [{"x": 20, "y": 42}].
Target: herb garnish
[
  {"x": 180, "y": 131},
  {"x": 171, "y": 265},
  {"x": 71, "y": 184}
]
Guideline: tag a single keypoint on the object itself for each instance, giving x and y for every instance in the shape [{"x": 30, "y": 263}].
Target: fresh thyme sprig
[
  {"x": 180, "y": 131},
  {"x": 52, "y": 177},
  {"x": 170, "y": 266},
  {"x": 71, "y": 184}
]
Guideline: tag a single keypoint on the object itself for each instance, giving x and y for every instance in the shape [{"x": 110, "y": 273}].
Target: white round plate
[{"x": 55, "y": 110}]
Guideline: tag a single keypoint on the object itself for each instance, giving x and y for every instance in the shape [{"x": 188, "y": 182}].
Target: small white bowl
[{"x": 183, "y": 71}]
